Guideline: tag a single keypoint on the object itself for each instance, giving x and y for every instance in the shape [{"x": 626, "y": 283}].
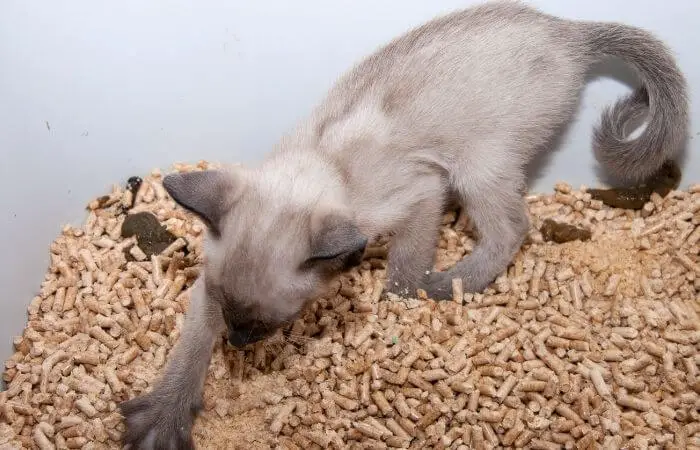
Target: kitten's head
[{"x": 272, "y": 245}]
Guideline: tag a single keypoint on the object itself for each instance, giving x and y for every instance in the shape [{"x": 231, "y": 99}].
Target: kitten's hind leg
[
  {"x": 412, "y": 248},
  {"x": 496, "y": 208}
]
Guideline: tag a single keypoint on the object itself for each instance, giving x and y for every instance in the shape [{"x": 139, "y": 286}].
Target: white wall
[{"x": 92, "y": 92}]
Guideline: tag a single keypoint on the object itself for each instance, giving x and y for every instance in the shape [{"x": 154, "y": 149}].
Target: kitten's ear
[
  {"x": 210, "y": 194},
  {"x": 336, "y": 244}
]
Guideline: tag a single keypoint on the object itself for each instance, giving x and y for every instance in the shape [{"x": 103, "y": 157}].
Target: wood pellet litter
[{"x": 584, "y": 344}]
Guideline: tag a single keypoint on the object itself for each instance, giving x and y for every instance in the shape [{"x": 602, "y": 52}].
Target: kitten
[{"x": 457, "y": 107}]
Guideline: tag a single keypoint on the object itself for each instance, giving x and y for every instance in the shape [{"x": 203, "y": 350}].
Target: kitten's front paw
[
  {"x": 400, "y": 288},
  {"x": 159, "y": 421},
  {"x": 438, "y": 286}
]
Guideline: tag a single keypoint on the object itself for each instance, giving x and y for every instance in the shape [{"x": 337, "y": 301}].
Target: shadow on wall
[{"x": 611, "y": 68}]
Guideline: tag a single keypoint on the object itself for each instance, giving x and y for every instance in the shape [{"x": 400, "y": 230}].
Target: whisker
[
  {"x": 295, "y": 334},
  {"x": 295, "y": 339},
  {"x": 298, "y": 336},
  {"x": 298, "y": 340},
  {"x": 250, "y": 333}
]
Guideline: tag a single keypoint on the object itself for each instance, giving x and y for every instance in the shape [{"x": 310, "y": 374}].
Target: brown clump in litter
[
  {"x": 578, "y": 345},
  {"x": 152, "y": 238},
  {"x": 561, "y": 233},
  {"x": 666, "y": 179}
]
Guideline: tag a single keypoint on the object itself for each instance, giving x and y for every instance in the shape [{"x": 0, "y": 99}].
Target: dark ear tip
[
  {"x": 169, "y": 181},
  {"x": 364, "y": 242}
]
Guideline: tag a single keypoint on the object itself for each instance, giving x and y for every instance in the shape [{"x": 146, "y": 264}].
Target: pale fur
[{"x": 455, "y": 108}]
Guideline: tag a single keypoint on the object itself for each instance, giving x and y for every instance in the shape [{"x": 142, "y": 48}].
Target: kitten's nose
[{"x": 238, "y": 337}]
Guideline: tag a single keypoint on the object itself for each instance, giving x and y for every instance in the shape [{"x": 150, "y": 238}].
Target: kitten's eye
[
  {"x": 318, "y": 261},
  {"x": 325, "y": 257},
  {"x": 333, "y": 262}
]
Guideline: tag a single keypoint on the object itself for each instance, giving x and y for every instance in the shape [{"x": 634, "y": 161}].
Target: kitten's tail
[{"x": 663, "y": 95}]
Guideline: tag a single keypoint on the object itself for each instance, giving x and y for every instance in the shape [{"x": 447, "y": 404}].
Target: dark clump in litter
[
  {"x": 103, "y": 201},
  {"x": 562, "y": 232},
  {"x": 666, "y": 179},
  {"x": 151, "y": 236},
  {"x": 133, "y": 184}
]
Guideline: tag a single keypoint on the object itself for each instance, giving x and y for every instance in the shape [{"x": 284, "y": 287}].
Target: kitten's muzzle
[{"x": 241, "y": 336}]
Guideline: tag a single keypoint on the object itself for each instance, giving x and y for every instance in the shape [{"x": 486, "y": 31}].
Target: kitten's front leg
[
  {"x": 163, "y": 418},
  {"x": 412, "y": 249}
]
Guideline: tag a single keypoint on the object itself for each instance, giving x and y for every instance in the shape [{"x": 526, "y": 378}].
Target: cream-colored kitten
[{"x": 455, "y": 108}]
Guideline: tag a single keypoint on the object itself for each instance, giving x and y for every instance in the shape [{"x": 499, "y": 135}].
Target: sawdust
[{"x": 534, "y": 361}]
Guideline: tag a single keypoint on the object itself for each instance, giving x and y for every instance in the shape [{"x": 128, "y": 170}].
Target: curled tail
[{"x": 662, "y": 96}]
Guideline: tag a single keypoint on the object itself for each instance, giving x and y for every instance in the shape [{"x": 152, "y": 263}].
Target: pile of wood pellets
[{"x": 585, "y": 343}]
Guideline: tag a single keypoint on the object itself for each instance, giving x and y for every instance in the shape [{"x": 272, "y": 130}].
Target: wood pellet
[{"x": 585, "y": 344}]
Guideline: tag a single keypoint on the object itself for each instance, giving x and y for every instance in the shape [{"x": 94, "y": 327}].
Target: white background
[{"x": 92, "y": 92}]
